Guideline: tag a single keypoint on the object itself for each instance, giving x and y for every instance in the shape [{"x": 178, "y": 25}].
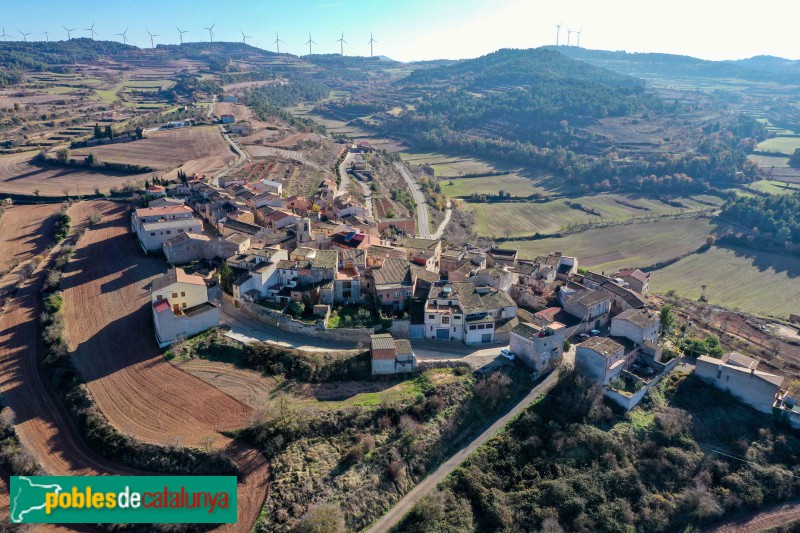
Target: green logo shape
[{"x": 123, "y": 499}]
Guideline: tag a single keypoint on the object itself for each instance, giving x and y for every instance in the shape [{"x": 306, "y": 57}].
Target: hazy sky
[{"x": 430, "y": 29}]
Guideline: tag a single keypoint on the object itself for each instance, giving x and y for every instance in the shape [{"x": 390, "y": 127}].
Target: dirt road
[
  {"x": 109, "y": 328},
  {"x": 768, "y": 519},
  {"x": 427, "y": 485}
]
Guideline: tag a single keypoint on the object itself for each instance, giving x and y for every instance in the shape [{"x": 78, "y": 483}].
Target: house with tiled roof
[
  {"x": 393, "y": 284},
  {"x": 424, "y": 249},
  {"x": 638, "y": 325},
  {"x": 637, "y": 280},
  {"x": 155, "y": 225},
  {"x": 462, "y": 311},
  {"x": 180, "y": 306},
  {"x": 390, "y": 355},
  {"x": 590, "y": 306},
  {"x": 621, "y": 298},
  {"x": 540, "y": 347},
  {"x": 600, "y": 358}
]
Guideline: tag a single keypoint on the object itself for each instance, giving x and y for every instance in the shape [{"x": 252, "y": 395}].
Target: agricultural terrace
[
  {"x": 20, "y": 174},
  {"x": 769, "y": 161},
  {"x": 25, "y": 231},
  {"x": 780, "y": 145},
  {"x": 632, "y": 245},
  {"x": 513, "y": 184},
  {"x": 518, "y": 219},
  {"x": 267, "y": 170},
  {"x": 204, "y": 146},
  {"x": 753, "y": 281},
  {"x": 775, "y": 187}
]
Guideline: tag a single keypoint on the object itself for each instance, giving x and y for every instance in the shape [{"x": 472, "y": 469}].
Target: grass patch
[
  {"x": 781, "y": 145},
  {"x": 514, "y": 184}
]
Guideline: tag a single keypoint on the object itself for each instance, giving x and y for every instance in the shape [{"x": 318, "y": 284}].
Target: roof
[
  {"x": 416, "y": 243},
  {"x": 403, "y": 346},
  {"x": 237, "y": 238},
  {"x": 634, "y": 273},
  {"x": 382, "y": 341},
  {"x": 186, "y": 236},
  {"x": 588, "y": 297},
  {"x": 161, "y": 305},
  {"x": 770, "y": 378},
  {"x": 502, "y": 252},
  {"x": 640, "y": 317},
  {"x": 602, "y": 345},
  {"x": 176, "y": 275},
  {"x": 456, "y": 253},
  {"x": 353, "y": 254},
  {"x": 242, "y": 227},
  {"x": 160, "y": 211},
  {"x": 739, "y": 359},
  {"x": 471, "y": 298},
  {"x": 528, "y": 331},
  {"x": 393, "y": 272}
]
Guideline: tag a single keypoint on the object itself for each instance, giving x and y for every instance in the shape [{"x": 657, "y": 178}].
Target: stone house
[
  {"x": 180, "y": 306},
  {"x": 155, "y": 225},
  {"x": 637, "y": 280},
  {"x": 540, "y": 347},
  {"x": 638, "y": 325}
]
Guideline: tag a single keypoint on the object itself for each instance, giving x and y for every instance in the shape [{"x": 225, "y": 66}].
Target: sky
[{"x": 408, "y": 30}]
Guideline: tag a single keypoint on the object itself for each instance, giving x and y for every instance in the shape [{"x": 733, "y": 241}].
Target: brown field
[
  {"x": 42, "y": 423},
  {"x": 203, "y": 146},
  {"x": 248, "y": 386},
  {"x": 238, "y": 88},
  {"x": 20, "y": 175},
  {"x": 25, "y": 231},
  {"x": 110, "y": 332},
  {"x": 8, "y": 100}
]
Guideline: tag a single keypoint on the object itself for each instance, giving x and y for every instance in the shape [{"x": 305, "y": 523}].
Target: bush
[
  {"x": 326, "y": 518},
  {"x": 297, "y": 308}
]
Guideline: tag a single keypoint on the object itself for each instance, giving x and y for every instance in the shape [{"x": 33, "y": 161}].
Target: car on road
[{"x": 505, "y": 352}]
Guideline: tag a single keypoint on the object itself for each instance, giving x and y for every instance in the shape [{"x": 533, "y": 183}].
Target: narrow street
[{"x": 344, "y": 177}]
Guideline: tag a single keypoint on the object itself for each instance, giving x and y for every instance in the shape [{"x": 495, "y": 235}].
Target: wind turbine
[
  {"x": 309, "y": 43},
  {"x": 371, "y": 40},
  {"x": 569, "y": 32},
  {"x": 211, "y": 32},
  {"x": 46, "y": 37},
  {"x": 277, "y": 42},
  {"x": 579, "y": 37},
  {"x": 245, "y": 37},
  {"x": 91, "y": 31},
  {"x": 558, "y": 31},
  {"x": 24, "y": 35},
  {"x": 151, "y": 38},
  {"x": 181, "y": 32},
  {"x": 341, "y": 42},
  {"x": 69, "y": 32},
  {"x": 124, "y": 36},
  {"x": 3, "y": 35}
]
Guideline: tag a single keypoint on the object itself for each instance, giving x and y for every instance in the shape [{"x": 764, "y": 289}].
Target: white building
[
  {"x": 180, "y": 306},
  {"x": 539, "y": 347},
  {"x": 638, "y": 325},
  {"x": 156, "y": 225},
  {"x": 737, "y": 374}
]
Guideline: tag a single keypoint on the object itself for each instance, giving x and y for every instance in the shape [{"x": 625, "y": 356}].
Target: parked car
[
  {"x": 595, "y": 332},
  {"x": 505, "y": 352},
  {"x": 583, "y": 336}
]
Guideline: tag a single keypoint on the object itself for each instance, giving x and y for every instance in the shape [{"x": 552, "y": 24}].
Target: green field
[
  {"x": 768, "y": 161},
  {"x": 150, "y": 84},
  {"x": 755, "y": 282},
  {"x": 775, "y": 187},
  {"x": 783, "y": 145},
  {"x": 632, "y": 245},
  {"x": 517, "y": 219},
  {"x": 512, "y": 183}
]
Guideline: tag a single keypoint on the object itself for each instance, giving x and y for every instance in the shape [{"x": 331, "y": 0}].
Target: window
[
  {"x": 169, "y": 232},
  {"x": 445, "y": 320},
  {"x": 431, "y": 317},
  {"x": 174, "y": 294},
  {"x": 152, "y": 233},
  {"x": 489, "y": 326},
  {"x": 183, "y": 305},
  {"x": 454, "y": 329},
  {"x": 472, "y": 327},
  {"x": 456, "y": 317},
  {"x": 159, "y": 297},
  {"x": 183, "y": 294}
]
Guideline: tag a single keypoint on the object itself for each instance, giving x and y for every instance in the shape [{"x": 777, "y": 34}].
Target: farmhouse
[
  {"x": 391, "y": 356},
  {"x": 586, "y": 304},
  {"x": 155, "y": 225},
  {"x": 465, "y": 312},
  {"x": 637, "y": 280},
  {"x": 738, "y": 376},
  {"x": 180, "y": 306},
  {"x": 600, "y": 358}
]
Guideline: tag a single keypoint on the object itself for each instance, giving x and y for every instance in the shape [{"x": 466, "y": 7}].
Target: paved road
[
  {"x": 423, "y": 221},
  {"x": 343, "y": 175},
  {"x": 246, "y": 329},
  {"x": 427, "y": 485},
  {"x": 365, "y": 190}
]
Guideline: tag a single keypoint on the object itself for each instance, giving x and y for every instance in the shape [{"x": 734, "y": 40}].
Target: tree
[
  {"x": 794, "y": 161},
  {"x": 109, "y": 132},
  {"x": 62, "y": 155},
  {"x": 139, "y": 132},
  {"x": 326, "y": 518},
  {"x": 226, "y": 277},
  {"x": 98, "y": 133},
  {"x": 90, "y": 160},
  {"x": 297, "y": 308},
  {"x": 667, "y": 319}
]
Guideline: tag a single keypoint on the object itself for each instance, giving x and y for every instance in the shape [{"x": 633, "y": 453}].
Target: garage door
[
  {"x": 443, "y": 333},
  {"x": 486, "y": 337}
]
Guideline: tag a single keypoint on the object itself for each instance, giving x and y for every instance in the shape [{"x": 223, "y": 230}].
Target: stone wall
[
  {"x": 316, "y": 330},
  {"x": 629, "y": 402}
]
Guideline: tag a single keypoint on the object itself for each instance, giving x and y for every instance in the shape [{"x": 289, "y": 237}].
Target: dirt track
[
  {"x": 109, "y": 327},
  {"x": 769, "y": 519}
]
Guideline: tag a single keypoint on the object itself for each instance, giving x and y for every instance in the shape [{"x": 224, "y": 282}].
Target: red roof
[
  {"x": 161, "y": 305},
  {"x": 549, "y": 311}
]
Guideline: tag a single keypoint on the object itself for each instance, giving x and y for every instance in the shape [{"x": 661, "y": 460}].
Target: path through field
[{"x": 109, "y": 327}]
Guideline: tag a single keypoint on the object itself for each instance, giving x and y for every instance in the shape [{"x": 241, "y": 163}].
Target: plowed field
[
  {"x": 25, "y": 231},
  {"x": 110, "y": 332}
]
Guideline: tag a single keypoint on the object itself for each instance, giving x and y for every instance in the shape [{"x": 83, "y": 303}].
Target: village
[{"x": 325, "y": 270}]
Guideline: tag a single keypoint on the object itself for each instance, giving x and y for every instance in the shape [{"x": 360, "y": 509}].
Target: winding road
[{"x": 423, "y": 215}]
